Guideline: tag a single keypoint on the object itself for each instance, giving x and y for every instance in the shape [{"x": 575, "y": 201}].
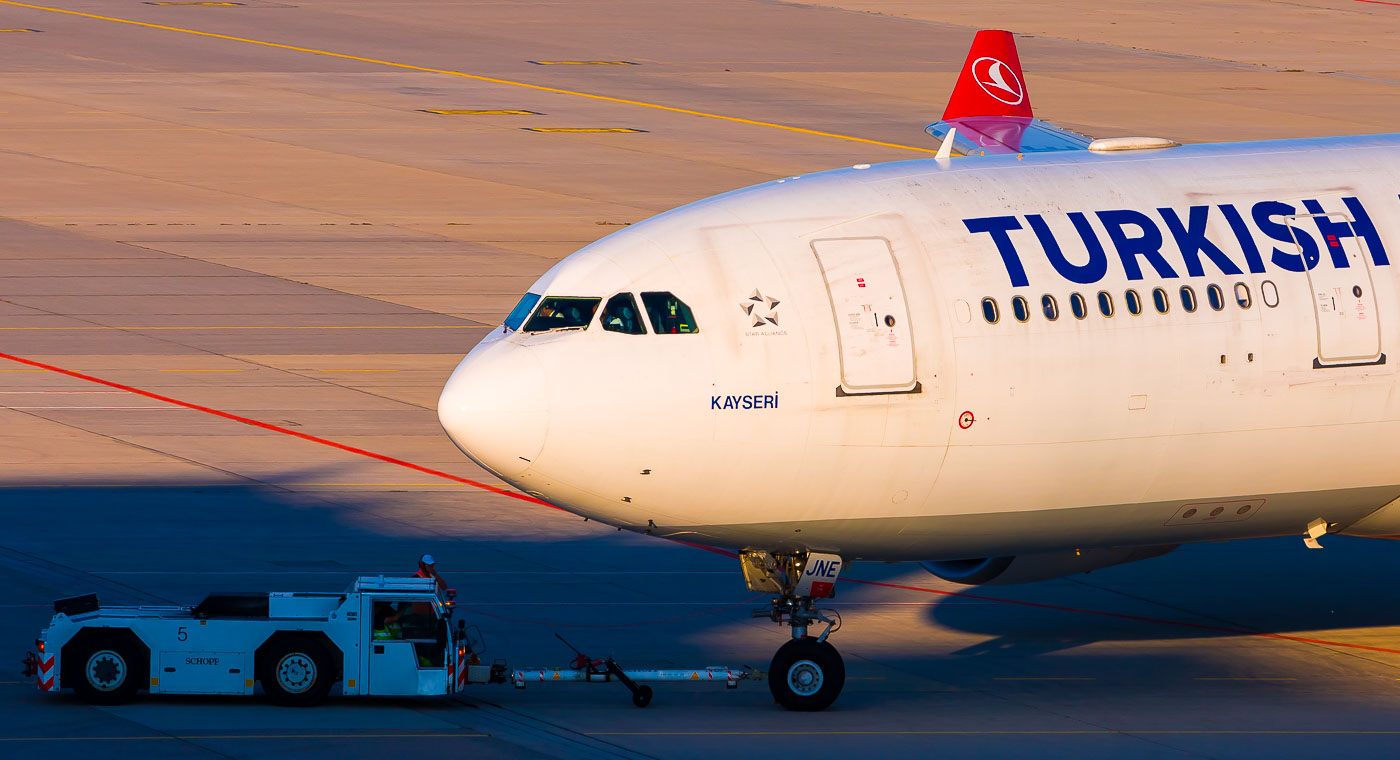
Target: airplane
[{"x": 1044, "y": 356}]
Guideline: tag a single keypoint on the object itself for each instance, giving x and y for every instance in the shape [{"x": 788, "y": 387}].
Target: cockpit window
[
  {"x": 668, "y": 314},
  {"x": 521, "y": 311},
  {"x": 558, "y": 313},
  {"x": 621, "y": 315}
]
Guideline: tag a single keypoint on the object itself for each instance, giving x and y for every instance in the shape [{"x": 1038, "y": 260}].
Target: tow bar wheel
[{"x": 806, "y": 675}]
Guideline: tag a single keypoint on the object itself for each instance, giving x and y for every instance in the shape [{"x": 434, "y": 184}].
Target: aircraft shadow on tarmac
[
  {"x": 134, "y": 542},
  {"x": 1221, "y": 589}
]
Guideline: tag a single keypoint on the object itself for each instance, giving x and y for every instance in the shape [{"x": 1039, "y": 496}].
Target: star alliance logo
[{"x": 761, "y": 309}]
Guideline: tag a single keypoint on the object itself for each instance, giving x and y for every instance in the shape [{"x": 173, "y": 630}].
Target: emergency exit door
[
  {"x": 1343, "y": 298},
  {"x": 873, "y": 334}
]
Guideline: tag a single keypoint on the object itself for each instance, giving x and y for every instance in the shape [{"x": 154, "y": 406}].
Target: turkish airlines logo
[{"x": 998, "y": 80}]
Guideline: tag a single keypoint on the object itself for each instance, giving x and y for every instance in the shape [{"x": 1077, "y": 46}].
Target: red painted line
[
  {"x": 1123, "y": 616},
  {"x": 1378, "y": 2},
  {"x": 278, "y": 429}
]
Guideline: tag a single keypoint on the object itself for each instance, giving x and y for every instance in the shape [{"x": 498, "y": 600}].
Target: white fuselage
[{"x": 873, "y": 411}]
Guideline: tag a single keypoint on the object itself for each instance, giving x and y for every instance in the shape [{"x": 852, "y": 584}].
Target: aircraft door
[
  {"x": 1343, "y": 296},
  {"x": 874, "y": 338}
]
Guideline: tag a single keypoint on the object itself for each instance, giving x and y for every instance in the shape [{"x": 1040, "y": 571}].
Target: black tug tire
[
  {"x": 806, "y": 675},
  {"x": 642, "y": 696},
  {"x": 109, "y": 670},
  {"x": 296, "y": 671}
]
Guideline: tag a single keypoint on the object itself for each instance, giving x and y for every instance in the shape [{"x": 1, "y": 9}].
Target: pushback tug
[{"x": 382, "y": 636}]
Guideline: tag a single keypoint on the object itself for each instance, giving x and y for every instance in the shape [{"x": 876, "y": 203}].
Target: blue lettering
[
  {"x": 746, "y": 401},
  {"x": 1284, "y": 233},
  {"x": 1361, "y": 226},
  {"x": 1093, "y": 271},
  {"x": 999, "y": 226},
  {"x": 1191, "y": 240},
  {"x": 1147, "y": 245},
  {"x": 1245, "y": 236}
]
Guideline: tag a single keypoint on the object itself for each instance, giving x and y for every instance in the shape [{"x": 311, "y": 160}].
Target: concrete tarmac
[{"x": 298, "y": 213}]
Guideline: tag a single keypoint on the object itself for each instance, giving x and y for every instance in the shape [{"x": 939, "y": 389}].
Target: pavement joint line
[
  {"x": 477, "y": 77},
  {"x": 225, "y": 737},
  {"x": 279, "y": 429},
  {"x": 92, "y": 408},
  {"x": 272, "y": 484},
  {"x": 973, "y": 732},
  {"x": 1044, "y": 678},
  {"x": 399, "y": 570},
  {"x": 266, "y": 327},
  {"x": 1241, "y": 678}
]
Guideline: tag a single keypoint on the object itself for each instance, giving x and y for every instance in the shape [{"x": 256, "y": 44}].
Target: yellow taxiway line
[{"x": 477, "y": 77}]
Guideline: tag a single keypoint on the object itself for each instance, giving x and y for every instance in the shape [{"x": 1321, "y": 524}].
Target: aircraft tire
[{"x": 806, "y": 675}]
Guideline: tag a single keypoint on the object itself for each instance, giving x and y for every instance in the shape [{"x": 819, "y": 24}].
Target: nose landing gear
[{"x": 807, "y": 672}]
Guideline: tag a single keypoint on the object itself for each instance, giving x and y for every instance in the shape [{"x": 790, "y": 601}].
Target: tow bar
[{"x": 585, "y": 668}]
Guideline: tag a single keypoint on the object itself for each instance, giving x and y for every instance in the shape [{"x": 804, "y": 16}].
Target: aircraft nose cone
[{"x": 495, "y": 407}]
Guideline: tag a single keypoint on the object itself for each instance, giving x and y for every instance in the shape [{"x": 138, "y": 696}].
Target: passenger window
[
  {"x": 1105, "y": 303},
  {"x": 1188, "y": 298},
  {"x": 1134, "y": 302},
  {"x": 1216, "y": 296},
  {"x": 669, "y": 315},
  {"x": 989, "y": 311},
  {"x": 563, "y": 314},
  {"x": 1159, "y": 299},
  {"x": 1078, "y": 305},
  {"x": 1051, "y": 309},
  {"x": 1242, "y": 295},
  {"x": 1020, "y": 309},
  {"x": 521, "y": 311},
  {"x": 1269, "y": 292},
  {"x": 621, "y": 315}
]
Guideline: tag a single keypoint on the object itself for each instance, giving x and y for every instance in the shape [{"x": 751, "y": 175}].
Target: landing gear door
[
  {"x": 1343, "y": 296},
  {"x": 874, "y": 338}
]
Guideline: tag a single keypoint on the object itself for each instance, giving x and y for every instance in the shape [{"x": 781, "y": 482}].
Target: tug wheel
[
  {"x": 806, "y": 675},
  {"x": 642, "y": 696},
  {"x": 108, "y": 671},
  {"x": 296, "y": 671}
]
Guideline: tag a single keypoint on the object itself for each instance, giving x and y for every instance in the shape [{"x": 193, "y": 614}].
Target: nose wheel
[{"x": 806, "y": 674}]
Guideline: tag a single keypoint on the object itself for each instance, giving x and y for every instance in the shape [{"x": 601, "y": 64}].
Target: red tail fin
[{"x": 991, "y": 83}]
